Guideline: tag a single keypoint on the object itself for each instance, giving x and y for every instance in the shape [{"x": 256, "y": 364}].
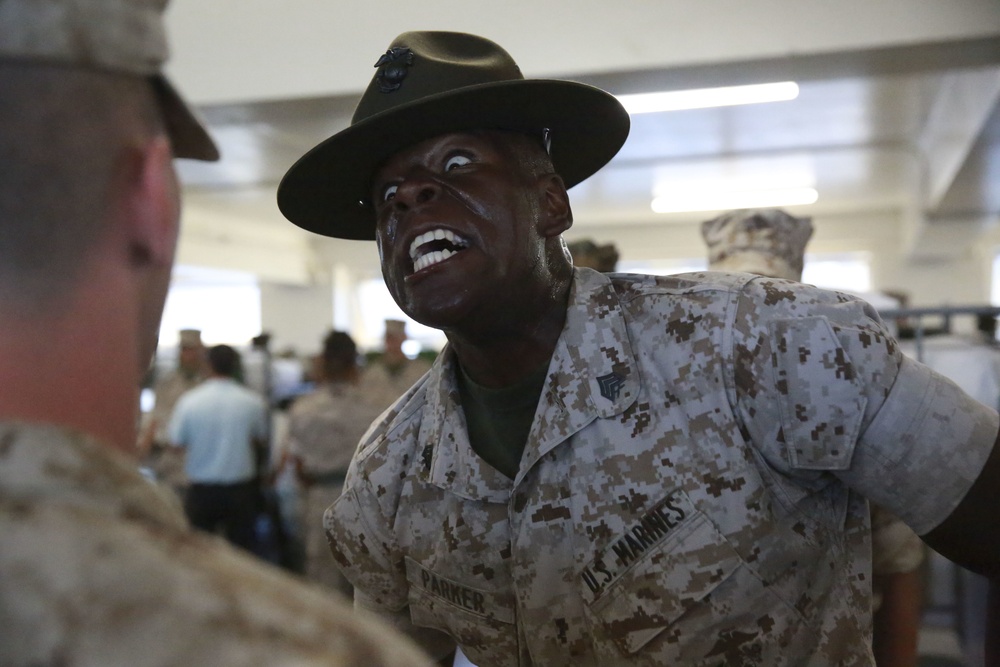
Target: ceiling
[{"x": 912, "y": 129}]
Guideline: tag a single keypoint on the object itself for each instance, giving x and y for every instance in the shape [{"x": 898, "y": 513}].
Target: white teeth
[
  {"x": 431, "y": 258},
  {"x": 421, "y": 260}
]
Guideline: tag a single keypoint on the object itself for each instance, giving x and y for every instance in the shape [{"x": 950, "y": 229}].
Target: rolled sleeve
[
  {"x": 931, "y": 439},
  {"x": 824, "y": 390}
]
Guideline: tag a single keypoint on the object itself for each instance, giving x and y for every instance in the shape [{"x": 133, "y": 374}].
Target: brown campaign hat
[
  {"x": 125, "y": 36},
  {"x": 432, "y": 83}
]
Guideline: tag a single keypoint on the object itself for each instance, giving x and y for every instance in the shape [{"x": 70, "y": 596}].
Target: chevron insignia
[{"x": 611, "y": 385}]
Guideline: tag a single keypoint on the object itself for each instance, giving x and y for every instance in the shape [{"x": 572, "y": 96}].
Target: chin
[{"x": 436, "y": 315}]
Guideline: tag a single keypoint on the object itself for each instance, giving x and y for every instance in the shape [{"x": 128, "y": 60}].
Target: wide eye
[
  {"x": 456, "y": 161},
  {"x": 389, "y": 192}
]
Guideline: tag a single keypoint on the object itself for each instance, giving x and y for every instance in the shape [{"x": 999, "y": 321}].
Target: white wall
[{"x": 296, "y": 316}]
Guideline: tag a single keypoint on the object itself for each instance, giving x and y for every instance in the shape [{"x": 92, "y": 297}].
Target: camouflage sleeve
[
  {"x": 176, "y": 433},
  {"x": 364, "y": 547},
  {"x": 940, "y": 439},
  {"x": 436, "y": 643},
  {"x": 823, "y": 389}
]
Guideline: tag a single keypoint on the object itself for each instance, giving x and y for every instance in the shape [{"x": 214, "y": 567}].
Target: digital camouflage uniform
[
  {"x": 691, "y": 491},
  {"x": 324, "y": 429},
  {"x": 164, "y": 461},
  {"x": 99, "y": 568},
  {"x": 168, "y": 391},
  {"x": 383, "y": 385}
]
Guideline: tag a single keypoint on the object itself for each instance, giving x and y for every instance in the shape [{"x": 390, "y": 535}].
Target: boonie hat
[
  {"x": 432, "y": 83},
  {"x": 768, "y": 242},
  {"x": 125, "y": 36}
]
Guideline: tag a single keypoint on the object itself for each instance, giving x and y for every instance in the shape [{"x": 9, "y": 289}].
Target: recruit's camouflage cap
[
  {"x": 126, "y": 36},
  {"x": 768, "y": 242},
  {"x": 190, "y": 338},
  {"x": 395, "y": 327}
]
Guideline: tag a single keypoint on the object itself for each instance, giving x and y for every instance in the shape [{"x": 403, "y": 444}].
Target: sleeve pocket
[{"x": 820, "y": 398}]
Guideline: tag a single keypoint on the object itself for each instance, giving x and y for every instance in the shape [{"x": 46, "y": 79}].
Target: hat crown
[
  {"x": 429, "y": 84},
  {"x": 121, "y": 36},
  {"x": 107, "y": 34},
  {"x": 768, "y": 242},
  {"x": 421, "y": 64},
  {"x": 190, "y": 337}
]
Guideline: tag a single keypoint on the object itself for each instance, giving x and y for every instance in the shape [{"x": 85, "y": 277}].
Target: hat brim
[
  {"x": 324, "y": 190},
  {"x": 188, "y": 135}
]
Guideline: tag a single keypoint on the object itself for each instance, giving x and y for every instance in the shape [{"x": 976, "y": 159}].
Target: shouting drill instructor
[{"x": 613, "y": 469}]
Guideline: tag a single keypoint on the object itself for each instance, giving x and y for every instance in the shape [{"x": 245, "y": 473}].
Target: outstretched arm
[{"x": 970, "y": 536}]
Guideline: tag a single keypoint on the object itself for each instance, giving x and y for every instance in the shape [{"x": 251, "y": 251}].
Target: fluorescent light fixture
[
  {"x": 681, "y": 202},
  {"x": 710, "y": 97}
]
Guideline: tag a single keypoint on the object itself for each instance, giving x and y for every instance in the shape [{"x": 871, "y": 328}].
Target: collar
[{"x": 592, "y": 374}]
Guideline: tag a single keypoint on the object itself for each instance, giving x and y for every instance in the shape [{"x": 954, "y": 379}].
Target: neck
[
  {"x": 70, "y": 384},
  {"x": 72, "y": 368},
  {"x": 510, "y": 349}
]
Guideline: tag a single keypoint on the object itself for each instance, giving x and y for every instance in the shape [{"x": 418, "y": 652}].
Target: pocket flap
[{"x": 658, "y": 589}]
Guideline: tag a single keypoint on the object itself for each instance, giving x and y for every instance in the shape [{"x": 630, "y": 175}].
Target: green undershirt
[{"x": 499, "y": 420}]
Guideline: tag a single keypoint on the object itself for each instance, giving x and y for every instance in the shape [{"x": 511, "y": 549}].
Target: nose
[{"x": 419, "y": 187}]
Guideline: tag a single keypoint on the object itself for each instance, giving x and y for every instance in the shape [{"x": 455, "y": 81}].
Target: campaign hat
[{"x": 429, "y": 83}]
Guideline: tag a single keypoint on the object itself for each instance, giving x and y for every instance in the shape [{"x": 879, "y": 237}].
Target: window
[
  {"x": 995, "y": 280},
  {"x": 377, "y": 306},
  {"x": 850, "y": 272},
  {"x": 224, "y": 305},
  {"x": 662, "y": 267}
]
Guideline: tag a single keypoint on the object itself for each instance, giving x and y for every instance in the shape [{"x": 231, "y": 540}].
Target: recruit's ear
[
  {"x": 151, "y": 202},
  {"x": 557, "y": 215}
]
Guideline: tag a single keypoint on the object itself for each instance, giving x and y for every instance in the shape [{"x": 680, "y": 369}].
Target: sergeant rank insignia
[{"x": 611, "y": 385}]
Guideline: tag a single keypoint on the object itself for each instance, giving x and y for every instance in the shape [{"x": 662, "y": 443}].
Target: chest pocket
[
  {"x": 822, "y": 403},
  {"x": 688, "y": 597},
  {"x": 482, "y": 622}
]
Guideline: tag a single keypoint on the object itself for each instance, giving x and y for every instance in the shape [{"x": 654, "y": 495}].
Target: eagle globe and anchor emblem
[{"x": 394, "y": 65}]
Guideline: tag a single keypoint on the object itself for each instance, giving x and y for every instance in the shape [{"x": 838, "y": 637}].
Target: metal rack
[{"x": 945, "y": 314}]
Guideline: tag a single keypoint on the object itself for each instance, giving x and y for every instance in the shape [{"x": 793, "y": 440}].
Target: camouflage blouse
[
  {"x": 692, "y": 491},
  {"x": 99, "y": 567}
]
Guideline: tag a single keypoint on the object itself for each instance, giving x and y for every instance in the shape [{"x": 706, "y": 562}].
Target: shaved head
[{"x": 63, "y": 149}]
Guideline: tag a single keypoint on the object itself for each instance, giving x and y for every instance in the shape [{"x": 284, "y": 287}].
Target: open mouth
[{"x": 435, "y": 246}]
